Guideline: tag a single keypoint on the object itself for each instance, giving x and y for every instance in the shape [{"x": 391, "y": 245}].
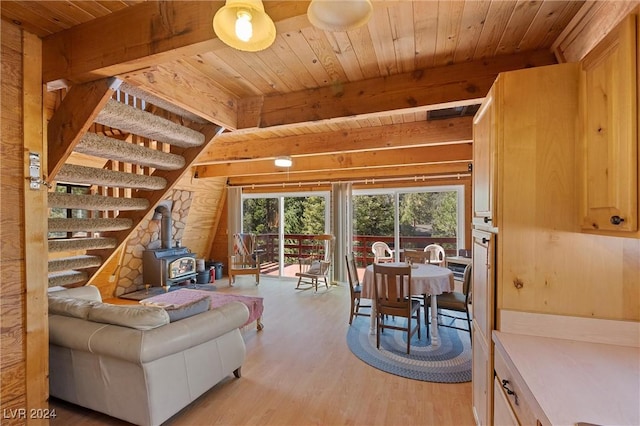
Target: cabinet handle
[
  {"x": 616, "y": 220},
  {"x": 485, "y": 240},
  {"x": 505, "y": 386},
  {"x": 487, "y": 219}
]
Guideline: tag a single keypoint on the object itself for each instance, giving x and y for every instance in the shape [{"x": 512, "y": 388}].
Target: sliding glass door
[
  {"x": 280, "y": 222},
  {"x": 408, "y": 218}
]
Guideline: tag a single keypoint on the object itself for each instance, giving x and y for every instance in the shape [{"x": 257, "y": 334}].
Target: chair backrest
[
  {"x": 436, "y": 253},
  {"x": 317, "y": 257},
  {"x": 466, "y": 282},
  {"x": 380, "y": 249},
  {"x": 389, "y": 288},
  {"x": 417, "y": 256},
  {"x": 244, "y": 244},
  {"x": 326, "y": 244},
  {"x": 352, "y": 271},
  {"x": 318, "y": 247}
]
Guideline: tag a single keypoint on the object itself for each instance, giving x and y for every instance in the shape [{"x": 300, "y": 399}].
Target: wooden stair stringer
[{"x": 72, "y": 119}]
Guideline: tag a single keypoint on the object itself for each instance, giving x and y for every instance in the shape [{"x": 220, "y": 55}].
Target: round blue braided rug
[{"x": 449, "y": 362}]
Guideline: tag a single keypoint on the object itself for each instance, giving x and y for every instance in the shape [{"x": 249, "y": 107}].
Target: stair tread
[
  {"x": 88, "y": 225},
  {"x": 74, "y": 262},
  {"x": 95, "y": 202},
  {"x": 118, "y": 150},
  {"x": 139, "y": 122},
  {"x": 94, "y": 176},
  {"x": 67, "y": 278},
  {"x": 92, "y": 243}
]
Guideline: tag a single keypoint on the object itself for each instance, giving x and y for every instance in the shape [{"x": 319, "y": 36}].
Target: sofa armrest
[
  {"x": 189, "y": 332},
  {"x": 144, "y": 346},
  {"x": 86, "y": 292}
]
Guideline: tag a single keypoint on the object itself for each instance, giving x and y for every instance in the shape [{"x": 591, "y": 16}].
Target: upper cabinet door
[
  {"x": 609, "y": 142},
  {"x": 484, "y": 163}
]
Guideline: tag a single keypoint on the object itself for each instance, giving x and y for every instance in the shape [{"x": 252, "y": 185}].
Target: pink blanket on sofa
[{"x": 186, "y": 296}]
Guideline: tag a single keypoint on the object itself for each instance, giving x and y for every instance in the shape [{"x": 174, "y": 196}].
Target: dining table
[{"x": 425, "y": 279}]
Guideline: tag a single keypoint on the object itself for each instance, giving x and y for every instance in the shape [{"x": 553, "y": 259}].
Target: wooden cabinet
[
  {"x": 609, "y": 139},
  {"x": 512, "y": 390},
  {"x": 483, "y": 283},
  {"x": 503, "y": 415},
  {"x": 484, "y": 162},
  {"x": 483, "y": 311},
  {"x": 524, "y": 193},
  {"x": 481, "y": 376},
  {"x": 573, "y": 378}
]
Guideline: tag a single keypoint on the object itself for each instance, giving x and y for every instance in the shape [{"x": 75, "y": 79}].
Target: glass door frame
[
  {"x": 458, "y": 189},
  {"x": 281, "y": 198}
]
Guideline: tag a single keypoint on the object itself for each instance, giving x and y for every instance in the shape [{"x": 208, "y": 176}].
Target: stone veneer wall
[{"x": 147, "y": 236}]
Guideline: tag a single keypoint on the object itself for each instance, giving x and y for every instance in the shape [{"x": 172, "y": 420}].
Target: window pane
[
  {"x": 303, "y": 215},
  {"x": 373, "y": 220},
  {"x": 262, "y": 217},
  {"x": 428, "y": 218}
]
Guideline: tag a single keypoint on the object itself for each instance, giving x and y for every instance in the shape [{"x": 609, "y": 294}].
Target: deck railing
[{"x": 299, "y": 245}]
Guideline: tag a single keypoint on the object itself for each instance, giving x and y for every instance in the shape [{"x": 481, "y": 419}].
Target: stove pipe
[{"x": 165, "y": 225}]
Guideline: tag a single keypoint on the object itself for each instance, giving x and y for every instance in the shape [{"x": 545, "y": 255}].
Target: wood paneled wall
[
  {"x": 23, "y": 270},
  {"x": 592, "y": 23},
  {"x": 220, "y": 244},
  {"x": 204, "y": 214}
]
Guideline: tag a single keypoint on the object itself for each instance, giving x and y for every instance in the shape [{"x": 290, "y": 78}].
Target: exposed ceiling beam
[
  {"x": 144, "y": 35},
  {"x": 196, "y": 95},
  {"x": 441, "y": 87},
  {"x": 346, "y": 160},
  {"x": 231, "y": 147},
  {"x": 417, "y": 173}
]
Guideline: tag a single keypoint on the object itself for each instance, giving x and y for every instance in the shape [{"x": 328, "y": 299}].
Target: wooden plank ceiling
[{"x": 344, "y": 105}]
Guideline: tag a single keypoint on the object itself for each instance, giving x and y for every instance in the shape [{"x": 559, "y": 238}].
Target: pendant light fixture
[
  {"x": 244, "y": 25},
  {"x": 334, "y": 15}
]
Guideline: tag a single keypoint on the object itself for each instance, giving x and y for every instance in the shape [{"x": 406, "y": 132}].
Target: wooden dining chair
[
  {"x": 455, "y": 301},
  {"x": 316, "y": 263},
  {"x": 392, "y": 299},
  {"x": 355, "y": 289},
  {"x": 415, "y": 256},
  {"x": 420, "y": 257}
]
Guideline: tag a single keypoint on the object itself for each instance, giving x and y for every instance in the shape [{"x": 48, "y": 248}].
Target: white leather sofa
[{"x": 144, "y": 374}]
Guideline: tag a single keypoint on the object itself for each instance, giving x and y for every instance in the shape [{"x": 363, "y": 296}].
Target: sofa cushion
[
  {"x": 188, "y": 310},
  {"x": 138, "y": 317},
  {"x": 70, "y": 307}
]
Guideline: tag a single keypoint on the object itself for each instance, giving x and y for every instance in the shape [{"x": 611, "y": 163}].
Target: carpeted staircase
[{"x": 138, "y": 146}]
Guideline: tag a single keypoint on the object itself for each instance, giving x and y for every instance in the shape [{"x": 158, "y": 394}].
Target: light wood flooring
[{"x": 299, "y": 371}]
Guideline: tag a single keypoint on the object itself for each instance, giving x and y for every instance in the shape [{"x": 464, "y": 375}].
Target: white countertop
[{"x": 576, "y": 381}]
